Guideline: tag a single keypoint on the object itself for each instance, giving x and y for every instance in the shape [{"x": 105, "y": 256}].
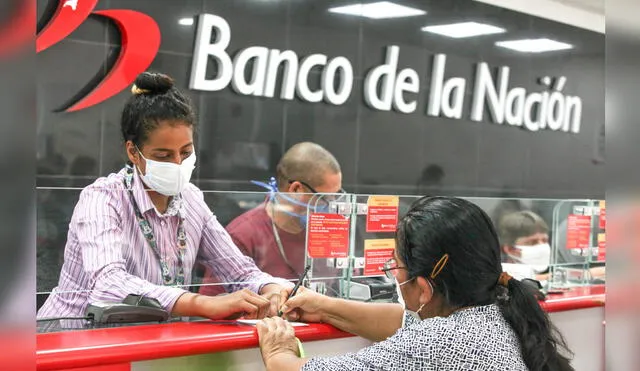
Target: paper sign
[
  {"x": 376, "y": 253},
  {"x": 578, "y": 231},
  {"x": 602, "y": 247},
  {"x": 328, "y": 236},
  {"x": 382, "y": 213},
  {"x": 603, "y": 215}
]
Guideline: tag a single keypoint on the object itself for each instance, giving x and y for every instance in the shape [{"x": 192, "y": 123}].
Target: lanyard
[
  {"x": 147, "y": 231},
  {"x": 276, "y": 235}
]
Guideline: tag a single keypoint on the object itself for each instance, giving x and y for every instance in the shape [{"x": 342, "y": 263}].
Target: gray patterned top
[{"x": 477, "y": 338}]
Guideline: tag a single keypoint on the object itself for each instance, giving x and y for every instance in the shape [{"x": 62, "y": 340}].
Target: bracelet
[{"x": 300, "y": 349}]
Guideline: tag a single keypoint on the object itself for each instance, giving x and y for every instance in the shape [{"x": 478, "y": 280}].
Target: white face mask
[
  {"x": 168, "y": 178},
  {"x": 537, "y": 257},
  {"x": 404, "y": 305}
]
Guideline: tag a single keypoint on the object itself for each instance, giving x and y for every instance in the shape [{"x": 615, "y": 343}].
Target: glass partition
[
  {"x": 557, "y": 242},
  {"x": 344, "y": 239}
]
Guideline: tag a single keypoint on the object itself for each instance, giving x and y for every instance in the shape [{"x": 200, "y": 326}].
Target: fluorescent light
[
  {"x": 534, "y": 45},
  {"x": 464, "y": 29},
  {"x": 185, "y": 21},
  {"x": 378, "y": 10}
]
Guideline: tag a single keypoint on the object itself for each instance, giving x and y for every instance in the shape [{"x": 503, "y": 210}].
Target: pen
[{"x": 297, "y": 285}]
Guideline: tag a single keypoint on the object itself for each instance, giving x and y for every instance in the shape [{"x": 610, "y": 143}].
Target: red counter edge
[
  {"x": 125, "y": 352},
  {"x": 203, "y": 342}
]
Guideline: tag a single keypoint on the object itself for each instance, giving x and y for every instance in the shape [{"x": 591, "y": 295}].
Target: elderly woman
[{"x": 458, "y": 310}]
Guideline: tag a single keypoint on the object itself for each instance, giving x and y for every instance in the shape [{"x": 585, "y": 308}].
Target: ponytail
[{"x": 541, "y": 343}]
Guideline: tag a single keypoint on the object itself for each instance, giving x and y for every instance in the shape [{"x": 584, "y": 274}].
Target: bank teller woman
[
  {"x": 458, "y": 310},
  {"x": 141, "y": 230}
]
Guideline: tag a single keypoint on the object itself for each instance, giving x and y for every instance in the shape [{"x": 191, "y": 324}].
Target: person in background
[
  {"x": 524, "y": 238},
  {"x": 458, "y": 310},
  {"x": 274, "y": 233},
  {"x": 140, "y": 231}
]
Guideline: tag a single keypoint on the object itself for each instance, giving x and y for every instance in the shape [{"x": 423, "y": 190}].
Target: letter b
[{"x": 204, "y": 48}]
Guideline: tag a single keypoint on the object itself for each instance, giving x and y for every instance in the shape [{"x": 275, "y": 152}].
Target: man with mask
[
  {"x": 274, "y": 233},
  {"x": 524, "y": 237}
]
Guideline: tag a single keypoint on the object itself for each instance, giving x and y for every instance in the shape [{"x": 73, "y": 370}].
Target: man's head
[
  {"x": 308, "y": 168},
  {"x": 524, "y": 237}
]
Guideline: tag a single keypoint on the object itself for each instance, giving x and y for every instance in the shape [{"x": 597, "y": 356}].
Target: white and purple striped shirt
[{"x": 107, "y": 257}]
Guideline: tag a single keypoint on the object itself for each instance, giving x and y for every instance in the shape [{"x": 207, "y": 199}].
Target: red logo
[{"x": 140, "y": 43}]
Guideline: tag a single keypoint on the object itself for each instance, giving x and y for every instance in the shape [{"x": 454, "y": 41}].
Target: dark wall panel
[{"x": 241, "y": 138}]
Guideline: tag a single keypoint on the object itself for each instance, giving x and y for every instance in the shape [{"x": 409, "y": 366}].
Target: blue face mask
[{"x": 275, "y": 195}]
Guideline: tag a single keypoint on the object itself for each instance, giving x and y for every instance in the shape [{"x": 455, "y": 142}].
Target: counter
[{"x": 136, "y": 347}]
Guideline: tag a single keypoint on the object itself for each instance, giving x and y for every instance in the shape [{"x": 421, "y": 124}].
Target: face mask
[
  {"x": 404, "y": 305},
  {"x": 537, "y": 257},
  {"x": 275, "y": 195},
  {"x": 168, "y": 178}
]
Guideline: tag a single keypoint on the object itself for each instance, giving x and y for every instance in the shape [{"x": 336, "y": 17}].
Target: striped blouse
[{"x": 107, "y": 257}]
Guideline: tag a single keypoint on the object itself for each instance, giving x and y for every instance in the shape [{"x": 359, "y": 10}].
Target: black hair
[
  {"x": 435, "y": 226},
  {"x": 155, "y": 99}
]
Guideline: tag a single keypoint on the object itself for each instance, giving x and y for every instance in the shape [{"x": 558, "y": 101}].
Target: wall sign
[
  {"x": 376, "y": 253},
  {"x": 328, "y": 236},
  {"x": 385, "y": 87},
  {"x": 578, "y": 231},
  {"x": 382, "y": 213}
]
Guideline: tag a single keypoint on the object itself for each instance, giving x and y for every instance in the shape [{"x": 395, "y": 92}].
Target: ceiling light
[
  {"x": 185, "y": 21},
  {"x": 534, "y": 45},
  {"x": 378, "y": 10},
  {"x": 464, "y": 29}
]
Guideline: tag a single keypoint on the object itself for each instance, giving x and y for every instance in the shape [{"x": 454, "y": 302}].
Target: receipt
[{"x": 253, "y": 322}]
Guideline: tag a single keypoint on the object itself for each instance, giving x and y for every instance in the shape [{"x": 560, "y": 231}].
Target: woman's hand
[
  {"x": 244, "y": 303},
  {"x": 305, "y": 306},
  {"x": 276, "y": 295},
  {"x": 241, "y": 303},
  {"x": 277, "y": 338}
]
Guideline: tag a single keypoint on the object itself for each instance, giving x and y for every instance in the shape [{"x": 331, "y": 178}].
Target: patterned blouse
[{"x": 477, "y": 338}]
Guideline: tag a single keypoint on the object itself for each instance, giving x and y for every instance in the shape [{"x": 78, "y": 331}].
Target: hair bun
[{"x": 152, "y": 83}]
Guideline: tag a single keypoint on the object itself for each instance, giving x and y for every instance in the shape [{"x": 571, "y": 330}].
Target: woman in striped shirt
[{"x": 141, "y": 231}]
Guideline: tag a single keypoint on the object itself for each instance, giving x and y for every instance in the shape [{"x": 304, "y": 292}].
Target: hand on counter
[
  {"x": 278, "y": 345},
  {"x": 243, "y": 303},
  {"x": 305, "y": 306},
  {"x": 276, "y": 295}
]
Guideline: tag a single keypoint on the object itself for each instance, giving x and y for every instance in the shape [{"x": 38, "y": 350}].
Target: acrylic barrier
[
  {"x": 344, "y": 239},
  {"x": 560, "y": 243}
]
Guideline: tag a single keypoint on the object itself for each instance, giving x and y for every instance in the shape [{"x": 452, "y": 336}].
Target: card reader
[
  {"x": 134, "y": 308},
  {"x": 371, "y": 289}
]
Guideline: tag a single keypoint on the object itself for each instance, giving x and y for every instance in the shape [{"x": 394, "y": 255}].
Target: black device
[
  {"x": 371, "y": 289},
  {"x": 133, "y": 309}
]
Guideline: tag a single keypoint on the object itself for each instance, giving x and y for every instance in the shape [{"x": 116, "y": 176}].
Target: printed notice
[
  {"x": 328, "y": 236},
  {"x": 603, "y": 215},
  {"x": 382, "y": 213},
  {"x": 376, "y": 253},
  {"x": 578, "y": 231},
  {"x": 602, "y": 247}
]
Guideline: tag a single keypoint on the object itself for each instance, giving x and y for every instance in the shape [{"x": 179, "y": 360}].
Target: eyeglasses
[
  {"x": 390, "y": 268},
  {"x": 324, "y": 199}
]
